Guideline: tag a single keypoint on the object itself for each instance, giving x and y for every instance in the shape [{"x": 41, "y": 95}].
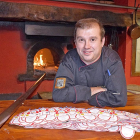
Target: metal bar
[
  {"x": 12, "y": 108},
  {"x": 97, "y": 4}
]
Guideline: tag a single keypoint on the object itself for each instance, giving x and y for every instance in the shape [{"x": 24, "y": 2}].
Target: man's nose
[{"x": 87, "y": 45}]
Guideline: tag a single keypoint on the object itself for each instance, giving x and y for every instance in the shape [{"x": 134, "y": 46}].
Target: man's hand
[{"x": 95, "y": 90}]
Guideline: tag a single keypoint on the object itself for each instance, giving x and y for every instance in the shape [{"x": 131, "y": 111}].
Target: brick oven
[
  {"x": 31, "y": 54},
  {"x": 48, "y": 44}
]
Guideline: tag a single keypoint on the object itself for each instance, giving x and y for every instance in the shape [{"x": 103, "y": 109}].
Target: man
[{"x": 91, "y": 72}]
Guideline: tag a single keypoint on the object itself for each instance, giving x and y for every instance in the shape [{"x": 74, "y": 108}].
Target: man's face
[{"x": 89, "y": 44}]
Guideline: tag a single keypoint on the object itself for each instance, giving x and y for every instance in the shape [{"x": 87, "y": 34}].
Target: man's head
[
  {"x": 89, "y": 39},
  {"x": 88, "y": 23}
]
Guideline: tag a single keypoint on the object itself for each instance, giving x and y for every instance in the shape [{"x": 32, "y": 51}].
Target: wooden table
[{"x": 12, "y": 132}]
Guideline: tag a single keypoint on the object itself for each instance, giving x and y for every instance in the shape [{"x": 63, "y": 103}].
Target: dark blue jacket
[{"x": 107, "y": 72}]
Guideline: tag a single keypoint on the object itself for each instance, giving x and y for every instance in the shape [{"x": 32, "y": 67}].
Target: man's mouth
[{"x": 87, "y": 52}]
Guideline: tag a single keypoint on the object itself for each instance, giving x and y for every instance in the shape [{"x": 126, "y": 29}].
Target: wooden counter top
[{"x": 12, "y": 132}]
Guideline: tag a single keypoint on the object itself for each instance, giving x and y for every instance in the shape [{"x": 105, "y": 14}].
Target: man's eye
[
  {"x": 80, "y": 40},
  {"x": 92, "y": 39}
]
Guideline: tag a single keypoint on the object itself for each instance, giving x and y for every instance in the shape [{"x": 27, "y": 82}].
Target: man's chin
[
  {"x": 87, "y": 61},
  {"x": 87, "y": 58}
]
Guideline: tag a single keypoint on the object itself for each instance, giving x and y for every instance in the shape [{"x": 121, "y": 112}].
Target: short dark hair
[{"x": 87, "y": 23}]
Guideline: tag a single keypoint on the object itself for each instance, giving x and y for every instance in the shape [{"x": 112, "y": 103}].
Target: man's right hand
[{"x": 95, "y": 90}]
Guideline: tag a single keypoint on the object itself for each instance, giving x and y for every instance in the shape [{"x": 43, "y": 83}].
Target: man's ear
[{"x": 103, "y": 41}]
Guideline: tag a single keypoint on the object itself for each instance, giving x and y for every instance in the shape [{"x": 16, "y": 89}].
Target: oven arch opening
[{"x": 56, "y": 52}]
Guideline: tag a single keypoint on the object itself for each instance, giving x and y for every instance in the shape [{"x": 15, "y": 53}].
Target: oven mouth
[{"x": 34, "y": 71}]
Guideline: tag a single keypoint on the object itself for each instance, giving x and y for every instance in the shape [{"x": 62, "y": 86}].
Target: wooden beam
[{"x": 44, "y": 13}]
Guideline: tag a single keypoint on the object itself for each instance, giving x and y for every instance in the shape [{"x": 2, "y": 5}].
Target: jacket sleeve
[
  {"x": 70, "y": 92},
  {"x": 115, "y": 82}
]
